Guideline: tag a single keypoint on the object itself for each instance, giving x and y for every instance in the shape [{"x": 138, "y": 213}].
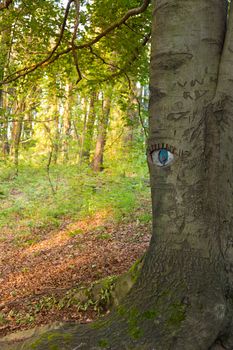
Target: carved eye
[{"x": 162, "y": 157}]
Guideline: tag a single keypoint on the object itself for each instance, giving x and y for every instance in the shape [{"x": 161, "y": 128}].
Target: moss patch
[
  {"x": 177, "y": 313},
  {"x": 121, "y": 310},
  {"x": 136, "y": 269},
  {"x": 53, "y": 347},
  {"x": 52, "y": 338},
  {"x": 103, "y": 343},
  {"x": 100, "y": 324},
  {"x": 133, "y": 321},
  {"x": 150, "y": 314}
]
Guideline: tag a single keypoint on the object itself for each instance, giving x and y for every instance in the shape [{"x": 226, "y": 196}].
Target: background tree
[
  {"x": 97, "y": 162},
  {"x": 75, "y": 44},
  {"x": 90, "y": 124}
]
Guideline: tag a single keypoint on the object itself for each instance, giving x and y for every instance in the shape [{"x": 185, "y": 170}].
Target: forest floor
[{"x": 38, "y": 281}]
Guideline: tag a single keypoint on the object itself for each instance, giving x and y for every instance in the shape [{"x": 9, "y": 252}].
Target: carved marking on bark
[
  {"x": 156, "y": 94},
  {"x": 196, "y": 81},
  {"x": 179, "y": 104},
  {"x": 197, "y": 130},
  {"x": 199, "y": 94},
  {"x": 158, "y": 146},
  {"x": 182, "y": 84},
  {"x": 177, "y": 115},
  {"x": 213, "y": 80},
  {"x": 171, "y": 60},
  {"x": 187, "y": 95},
  {"x": 212, "y": 41}
]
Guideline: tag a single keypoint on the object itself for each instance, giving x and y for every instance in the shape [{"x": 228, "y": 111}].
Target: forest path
[{"x": 35, "y": 279}]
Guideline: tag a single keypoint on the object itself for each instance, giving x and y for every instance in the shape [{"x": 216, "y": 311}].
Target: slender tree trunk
[
  {"x": 67, "y": 122},
  {"x": 4, "y": 125},
  {"x": 56, "y": 131},
  {"x": 16, "y": 138},
  {"x": 2, "y": 128},
  {"x": 182, "y": 299},
  {"x": 97, "y": 163},
  {"x": 5, "y": 141},
  {"x": 88, "y": 137},
  {"x": 132, "y": 119},
  {"x": 16, "y": 132},
  {"x": 4, "y": 44},
  {"x": 82, "y": 139},
  {"x": 28, "y": 126}
]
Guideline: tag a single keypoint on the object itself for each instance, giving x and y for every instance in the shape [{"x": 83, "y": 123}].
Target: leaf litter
[{"x": 36, "y": 278}]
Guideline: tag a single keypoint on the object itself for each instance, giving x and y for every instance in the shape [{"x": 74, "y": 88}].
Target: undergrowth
[{"x": 32, "y": 203}]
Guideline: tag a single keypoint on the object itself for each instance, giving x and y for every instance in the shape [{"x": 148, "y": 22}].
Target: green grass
[
  {"x": 29, "y": 206},
  {"x": 145, "y": 218}
]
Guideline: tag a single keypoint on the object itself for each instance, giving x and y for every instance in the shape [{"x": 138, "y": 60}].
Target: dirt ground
[{"x": 35, "y": 278}]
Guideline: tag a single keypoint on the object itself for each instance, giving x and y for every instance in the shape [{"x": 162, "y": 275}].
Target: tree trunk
[
  {"x": 56, "y": 131},
  {"x": 82, "y": 138},
  {"x": 67, "y": 122},
  {"x": 88, "y": 137},
  {"x": 5, "y": 48},
  {"x": 182, "y": 299},
  {"x": 4, "y": 124},
  {"x": 97, "y": 163},
  {"x": 17, "y": 131},
  {"x": 131, "y": 118}
]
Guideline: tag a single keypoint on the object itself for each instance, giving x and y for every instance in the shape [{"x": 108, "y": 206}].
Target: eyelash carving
[
  {"x": 162, "y": 154},
  {"x": 159, "y": 146}
]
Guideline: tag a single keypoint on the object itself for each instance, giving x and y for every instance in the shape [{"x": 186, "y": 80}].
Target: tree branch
[
  {"x": 76, "y": 24},
  {"x": 75, "y": 56},
  {"x": 74, "y": 36},
  {"x": 26, "y": 70},
  {"x": 133, "y": 30},
  {"x": 5, "y": 4},
  {"x": 138, "y": 105},
  {"x": 102, "y": 59},
  {"x": 128, "y": 63},
  {"x": 51, "y": 57},
  {"x": 133, "y": 12}
]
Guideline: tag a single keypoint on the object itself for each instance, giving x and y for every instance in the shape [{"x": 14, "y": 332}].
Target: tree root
[
  {"x": 176, "y": 309},
  {"x": 177, "y": 327}
]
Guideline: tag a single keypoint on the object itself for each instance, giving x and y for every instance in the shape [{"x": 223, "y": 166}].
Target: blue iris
[{"x": 163, "y": 156}]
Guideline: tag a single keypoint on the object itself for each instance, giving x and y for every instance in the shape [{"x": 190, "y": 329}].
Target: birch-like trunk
[{"x": 183, "y": 297}]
